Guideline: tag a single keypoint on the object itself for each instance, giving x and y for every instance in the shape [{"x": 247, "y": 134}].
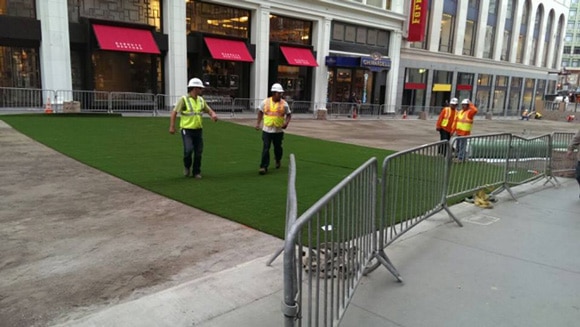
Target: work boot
[
  {"x": 186, "y": 172},
  {"x": 278, "y": 164},
  {"x": 263, "y": 171},
  {"x": 197, "y": 176}
]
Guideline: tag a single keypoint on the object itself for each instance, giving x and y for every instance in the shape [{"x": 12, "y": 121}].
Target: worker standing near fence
[
  {"x": 275, "y": 113},
  {"x": 463, "y": 126},
  {"x": 575, "y": 146},
  {"x": 191, "y": 107},
  {"x": 446, "y": 123}
]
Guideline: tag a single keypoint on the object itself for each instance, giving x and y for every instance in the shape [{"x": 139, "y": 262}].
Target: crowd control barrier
[
  {"x": 346, "y": 233},
  {"x": 560, "y": 163},
  {"x": 413, "y": 186},
  {"x": 483, "y": 166},
  {"x": 327, "y": 249}
]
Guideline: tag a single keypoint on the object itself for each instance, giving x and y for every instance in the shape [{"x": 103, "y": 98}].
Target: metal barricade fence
[
  {"x": 87, "y": 101},
  {"x": 481, "y": 163},
  {"x": 166, "y": 103},
  {"x": 246, "y": 105},
  {"x": 291, "y": 203},
  {"x": 327, "y": 249},
  {"x": 413, "y": 186},
  {"x": 19, "y": 99},
  {"x": 529, "y": 159},
  {"x": 561, "y": 164},
  {"x": 133, "y": 102}
]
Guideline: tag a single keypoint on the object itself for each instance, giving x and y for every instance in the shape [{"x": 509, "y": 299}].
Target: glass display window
[
  {"x": 222, "y": 78},
  {"x": 19, "y": 67}
]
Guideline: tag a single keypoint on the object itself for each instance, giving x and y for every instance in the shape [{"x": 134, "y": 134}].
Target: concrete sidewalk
[{"x": 514, "y": 265}]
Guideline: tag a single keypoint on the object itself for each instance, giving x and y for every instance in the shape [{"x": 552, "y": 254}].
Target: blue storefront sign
[{"x": 372, "y": 63}]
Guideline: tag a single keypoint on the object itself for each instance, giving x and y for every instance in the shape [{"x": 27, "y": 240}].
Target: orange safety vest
[
  {"x": 274, "y": 113},
  {"x": 464, "y": 121},
  {"x": 446, "y": 119}
]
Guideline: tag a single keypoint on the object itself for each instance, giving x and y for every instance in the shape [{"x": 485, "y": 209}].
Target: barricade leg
[{"x": 383, "y": 259}]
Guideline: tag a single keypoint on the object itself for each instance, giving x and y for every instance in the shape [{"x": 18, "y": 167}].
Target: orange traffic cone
[
  {"x": 48, "y": 106},
  {"x": 405, "y": 114}
]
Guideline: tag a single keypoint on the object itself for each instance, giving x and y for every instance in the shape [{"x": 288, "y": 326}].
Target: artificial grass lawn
[{"x": 141, "y": 151}]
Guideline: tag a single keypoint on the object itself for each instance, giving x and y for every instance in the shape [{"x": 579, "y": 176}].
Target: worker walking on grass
[
  {"x": 463, "y": 125},
  {"x": 275, "y": 114},
  {"x": 575, "y": 146},
  {"x": 446, "y": 123},
  {"x": 191, "y": 107}
]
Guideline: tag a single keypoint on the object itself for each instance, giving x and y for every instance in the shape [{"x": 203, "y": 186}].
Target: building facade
[
  {"x": 318, "y": 50},
  {"x": 500, "y": 53},
  {"x": 504, "y": 55},
  {"x": 571, "y": 54}
]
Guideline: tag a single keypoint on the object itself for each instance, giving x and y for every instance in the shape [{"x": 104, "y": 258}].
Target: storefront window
[
  {"x": 514, "y": 97},
  {"x": 499, "y": 95},
  {"x": 290, "y": 30},
  {"x": 145, "y": 12},
  {"x": 215, "y": 19},
  {"x": 464, "y": 85},
  {"x": 126, "y": 72},
  {"x": 483, "y": 92},
  {"x": 540, "y": 91},
  {"x": 222, "y": 77},
  {"x": 415, "y": 89},
  {"x": 292, "y": 79},
  {"x": 441, "y": 87},
  {"x": 19, "y": 67},
  {"x": 528, "y": 93},
  {"x": 18, "y": 8}
]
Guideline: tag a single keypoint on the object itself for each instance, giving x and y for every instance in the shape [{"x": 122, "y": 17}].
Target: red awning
[
  {"x": 231, "y": 50},
  {"x": 299, "y": 56},
  {"x": 125, "y": 39}
]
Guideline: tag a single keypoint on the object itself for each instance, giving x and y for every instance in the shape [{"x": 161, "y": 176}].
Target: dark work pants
[
  {"x": 445, "y": 135},
  {"x": 192, "y": 145},
  {"x": 268, "y": 139}
]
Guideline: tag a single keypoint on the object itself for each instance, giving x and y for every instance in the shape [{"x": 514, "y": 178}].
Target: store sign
[
  {"x": 375, "y": 63},
  {"x": 417, "y": 20}
]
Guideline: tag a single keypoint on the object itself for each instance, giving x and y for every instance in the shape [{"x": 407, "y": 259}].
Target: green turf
[{"x": 141, "y": 151}]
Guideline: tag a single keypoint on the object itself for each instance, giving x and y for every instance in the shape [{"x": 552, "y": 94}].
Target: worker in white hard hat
[
  {"x": 446, "y": 123},
  {"x": 191, "y": 107},
  {"x": 275, "y": 113},
  {"x": 463, "y": 126}
]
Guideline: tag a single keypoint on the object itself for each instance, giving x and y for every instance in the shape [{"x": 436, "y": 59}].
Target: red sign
[
  {"x": 231, "y": 50},
  {"x": 417, "y": 20},
  {"x": 125, "y": 39}
]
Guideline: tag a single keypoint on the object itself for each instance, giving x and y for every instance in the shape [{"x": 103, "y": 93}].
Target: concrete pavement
[{"x": 513, "y": 265}]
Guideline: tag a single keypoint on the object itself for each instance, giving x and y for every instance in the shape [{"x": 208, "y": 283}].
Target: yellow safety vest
[
  {"x": 191, "y": 116},
  {"x": 464, "y": 124},
  {"x": 274, "y": 113}
]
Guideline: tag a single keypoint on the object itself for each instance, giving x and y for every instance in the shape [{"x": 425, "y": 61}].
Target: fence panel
[
  {"x": 561, "y": 165},
  {"x": 133, "y": 102},
  {"x": 413, "y": 184},
  {"x": 529, "y": 159},
  {"x": 14, "y": 99},
  {"x": 482, "y": 166},
  {"x": 88, "y": 101},
  {"x": 327, "y": 249},
  {"x": 246, "y": 105},
  {"x": 166, "y": 103}
]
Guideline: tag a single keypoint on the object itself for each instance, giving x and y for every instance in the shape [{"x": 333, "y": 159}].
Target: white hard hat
[
  {"x": 454, "y": 101},
  {"x": 195, "y": 82},
  {"x": 465, "y": 101},
  {"x": 276, "y": 87}
]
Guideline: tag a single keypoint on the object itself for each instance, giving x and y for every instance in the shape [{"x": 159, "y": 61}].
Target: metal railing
[
  {"x": 327, "y": 249},
  {"x": 344, "y": 235},
  {"x": 24, "y": 99},
  {"x": 560, "y": 163}
]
